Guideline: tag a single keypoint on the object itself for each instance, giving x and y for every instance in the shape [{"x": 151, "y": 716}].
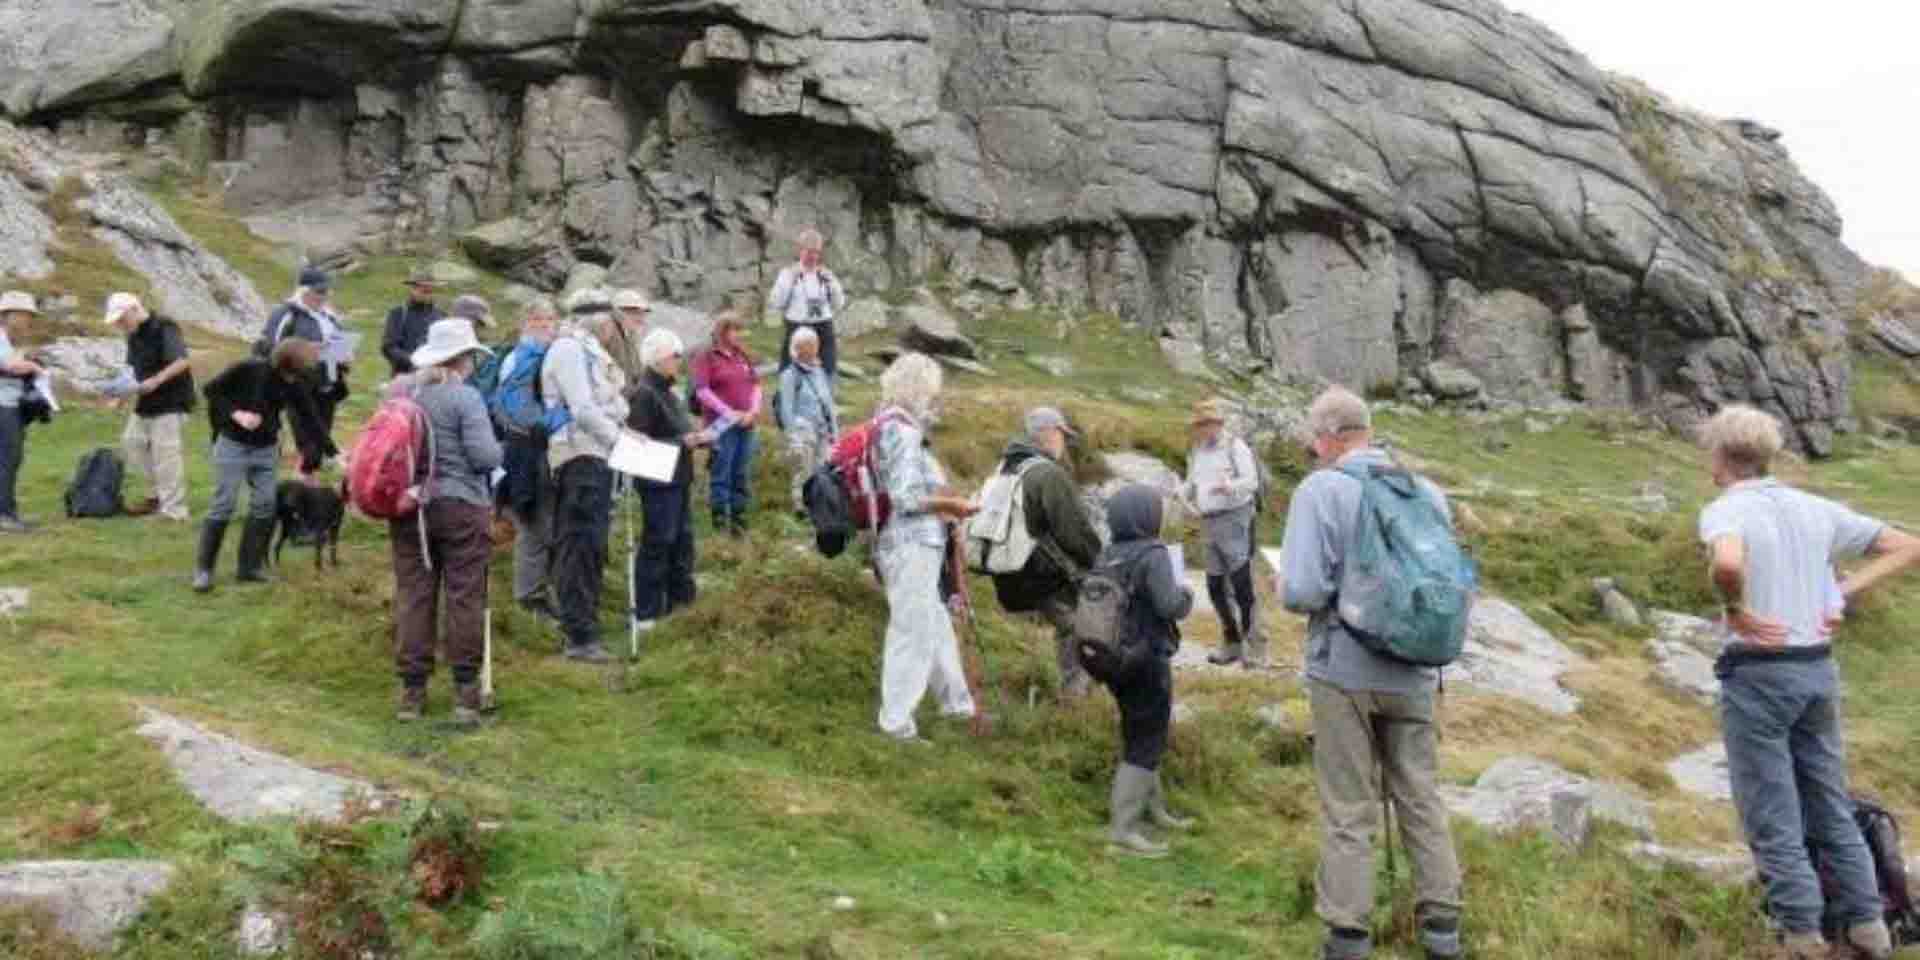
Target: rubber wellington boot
[
  {"x": 1132, "y": 789},
  {"x": 255, "y": 538},
  {"x": 1157, "y": 809},
  {"x": 211, "y": 533}
]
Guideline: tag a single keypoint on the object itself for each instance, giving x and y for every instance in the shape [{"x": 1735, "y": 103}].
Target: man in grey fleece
[
  {"x": 1369, "y": 713},
  {"x": 581, "y": 375}
]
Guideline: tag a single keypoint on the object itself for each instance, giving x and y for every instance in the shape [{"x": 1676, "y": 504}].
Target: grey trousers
[
  {"x": 1057, "y": 611},
  {"x": 237, "y": 465},
  {"x": 1355, "y": 734},
  {"x": 532, "y": 549},
  {"x": 1781, "y": 722}
]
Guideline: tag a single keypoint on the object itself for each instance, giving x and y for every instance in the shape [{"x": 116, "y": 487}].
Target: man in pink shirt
[{"x": 728, "y": 390}]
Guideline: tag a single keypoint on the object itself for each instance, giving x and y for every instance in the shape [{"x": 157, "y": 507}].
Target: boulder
[
  {"x": 1125, "y": 468},
  {"x": 933, "y": 331},
  {"x": 13, "y": 600},
  {"x": 58, "y": 54},
  {"x": 1703, "y": 773},
  {"x": 189, "y": 283},
  {"x": 1509, "y": 655},
  {"x": 1186, "y": 357},
  {"x": 262, "y": 933},
  {"x": 1510, "y": 342},
  {"x": 1615, "y": 606},
  {"x": 1450, "y": 381},
  {"x": 1896, "y": 335},
  {"x": 1727, "y": 865},
  {"x": 1682, "y": 668},
  {"x": 1685, "y": 629},
  {"x": 862, "y": 317},
  {"x": 1522, "y": 792},
  {"x": 521, "y": 249},
  {"x": 85, "y": 364},
  {"x": 695, "y": 327},
  {"x": 583, "y": 276},
  {"x": 89, "y": 901},
  {"x": 245, "y": 784},
  {"x": 454, "y": 273}
]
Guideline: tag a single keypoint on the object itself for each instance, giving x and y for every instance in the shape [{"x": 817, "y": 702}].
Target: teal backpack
[{"x": 1406, "y": 587}]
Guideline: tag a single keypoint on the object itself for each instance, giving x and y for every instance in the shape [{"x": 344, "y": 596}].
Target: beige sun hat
[
  {"x": 18, "y": 301},
  {"x": 446, "y": 340}
]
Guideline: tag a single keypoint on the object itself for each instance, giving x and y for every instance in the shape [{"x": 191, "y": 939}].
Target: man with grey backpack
[
  {"x": 1385, "y": 615},
  {"x": 1033, "y": 536}
]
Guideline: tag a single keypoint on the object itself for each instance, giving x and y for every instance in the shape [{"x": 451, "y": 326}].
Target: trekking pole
[
  {"x": 633, "y": 596},
  {"x": 486, "y": 660},
  {"x": 975, "y": 677}
]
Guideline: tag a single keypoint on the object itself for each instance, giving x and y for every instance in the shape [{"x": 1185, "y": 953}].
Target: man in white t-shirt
[
  {"x": 1771, "y": 548},
  {"x": 808, "y": 295}
]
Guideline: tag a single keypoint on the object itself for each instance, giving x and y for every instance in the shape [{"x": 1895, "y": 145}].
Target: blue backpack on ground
[
  {"x": 1407, "y": 588},
  {"x": 518, "y": 410}
]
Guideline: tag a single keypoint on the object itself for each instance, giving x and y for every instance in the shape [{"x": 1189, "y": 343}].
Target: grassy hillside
[{"x": 715, "y": 798}]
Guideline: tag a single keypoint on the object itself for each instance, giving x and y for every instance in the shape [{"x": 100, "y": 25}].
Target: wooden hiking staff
[{"x": 973, "y": 660}]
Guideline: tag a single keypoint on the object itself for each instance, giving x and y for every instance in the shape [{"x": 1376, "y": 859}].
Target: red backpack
[
  {"x": 385, "y": 461},
  {"x": 852, "y": 463}
]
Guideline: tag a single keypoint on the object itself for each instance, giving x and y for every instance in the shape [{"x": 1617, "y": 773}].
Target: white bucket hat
[
  {"x": 18, "y": 301},
  {"x": 447, "y": 339}
]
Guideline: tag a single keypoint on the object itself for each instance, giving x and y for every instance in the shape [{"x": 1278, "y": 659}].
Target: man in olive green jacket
[{"x": 1066, "y": 543}]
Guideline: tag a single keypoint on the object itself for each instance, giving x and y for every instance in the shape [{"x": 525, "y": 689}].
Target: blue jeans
[
  {"x": 236, "y": 465},
  {"x": 13, "y": 449},
  {"x": 1781, "y": 721},
  {"x": 731, "y": 469}
]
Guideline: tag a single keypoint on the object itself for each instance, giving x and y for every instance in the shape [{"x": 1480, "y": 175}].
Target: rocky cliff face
[{"x": 1431, "y": 193}]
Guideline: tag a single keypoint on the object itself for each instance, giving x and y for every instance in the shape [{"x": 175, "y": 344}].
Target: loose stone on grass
[
  {"x": 246, "y": 784},
  {"x": 1704, "y": 773},
  {"x": 89, "y": 901}
]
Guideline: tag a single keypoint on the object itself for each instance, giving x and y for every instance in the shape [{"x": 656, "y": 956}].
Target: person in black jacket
[
  {"x": 244, "y": 407},
  {"x": 662, "y": 565},
  {"x": 1159, "y": 601},
  {"x": 163, "y": 396},
  {"x": 1065, "y": 542},
  {"x": 407, "y": 323}
]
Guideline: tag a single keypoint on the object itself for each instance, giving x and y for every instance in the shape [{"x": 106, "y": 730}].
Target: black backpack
[
  {"x": 95, "y": 490},
  {"x": 1882, "y": 833},
  {"x": 1110, "y": 648},
  {"x": 829, "y": 510}
]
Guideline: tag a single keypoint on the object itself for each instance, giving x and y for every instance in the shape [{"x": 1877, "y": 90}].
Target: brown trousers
[{"x": 459, "y": 542}]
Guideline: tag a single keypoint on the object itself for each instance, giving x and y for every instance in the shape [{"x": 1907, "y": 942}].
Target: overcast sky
[{"x": 1839, "y": 78}]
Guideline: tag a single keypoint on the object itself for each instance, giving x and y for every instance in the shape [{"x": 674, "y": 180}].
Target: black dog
[{"x": 309, "y": 514}]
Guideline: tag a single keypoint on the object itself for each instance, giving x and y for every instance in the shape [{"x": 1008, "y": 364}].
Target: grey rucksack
[{"x": 1102, "y": 629}]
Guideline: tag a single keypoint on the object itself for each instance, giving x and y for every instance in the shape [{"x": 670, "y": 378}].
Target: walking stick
[
  {"x": 633, "y": 596},
  {"x": 486, "y": 661},
  {"x": 979, "y": 725}
]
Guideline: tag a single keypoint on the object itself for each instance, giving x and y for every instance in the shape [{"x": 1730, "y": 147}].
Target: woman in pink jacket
[{"x": 728, "y": 392}]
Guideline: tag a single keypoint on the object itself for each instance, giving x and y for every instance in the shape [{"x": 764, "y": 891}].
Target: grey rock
[
  {"x": 328, "y": 232},
  {"x": 1615, "y": 605},
  {"x": 862, "y": 317},
  {"x": 1052, "y": 365},
  {"x": 1506, "y": 339},
  {"x": 1509, "y": 655},
  {"x": 522, "y": 250},
  {"x": 1727, "y": 865},
  {"x": 1684, "y": 669},
  {"x": 262, "y": 933},
  {"x": 14, "y": 600},
  {"x": 1895, "y": 334},
  {"x": 453, "y": 273},
  {"x": 583, "y": 276},
  {"x": 89, "y": 901},
  {"x": 189, "y": 283},
  {"x": 1187, "y": 358},
  {"x": 933, "y": 331},
  {"x": 1125, "y": 468},
  {"x": 964, "y": 365},
  {"x": 1702, "y": 635},
  {"x": 1273, "y": 716},
  {"x": 85, "y": 364},
  {"x": 1450, "y": 381},
  {"x": 1703, "y": 773},
  {"x": 128, "y": 45},
  {"x": 246, "y": 784},
  {"x": 519, "y": 294},
  {"x": 1522, "y": 792}
]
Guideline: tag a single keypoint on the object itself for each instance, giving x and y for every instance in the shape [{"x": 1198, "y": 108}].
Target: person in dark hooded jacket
[
  {"x": 1158, "y": 601},
  {"x": 1065, "y": 543}
]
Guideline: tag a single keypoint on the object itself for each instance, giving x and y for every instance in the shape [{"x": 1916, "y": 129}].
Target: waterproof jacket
[
  {"x": 1066, "y": 543},
  {"x": 653, "y": 411},
  {"x": 254, "y": 386},
  {"x": 1159, "y": 599},
  {"x": 153, "y": 346},
  {"x": 407, "y": 326}
]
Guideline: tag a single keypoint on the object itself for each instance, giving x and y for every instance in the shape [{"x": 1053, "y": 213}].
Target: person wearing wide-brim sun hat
[
  {"x": 408, "y": 323},
  {"x": 16, "y": 378},
  {"x": 440, "y": 553},
  {"x": 1223, "y": 481}
]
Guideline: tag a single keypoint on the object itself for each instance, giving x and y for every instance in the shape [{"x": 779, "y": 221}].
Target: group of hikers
[{"x": 528, "y": 431}]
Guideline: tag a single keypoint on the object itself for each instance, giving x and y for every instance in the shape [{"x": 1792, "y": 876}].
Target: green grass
[{"x": 714, "y": 798}]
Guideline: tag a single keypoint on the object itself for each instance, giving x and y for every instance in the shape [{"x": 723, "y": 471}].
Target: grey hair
[
  {"x": 1746, "y": 438},
  {"x": 911, "y": 383},
  {"x": 658, "y": 344},
  {"x": 1338, "y": 410},
  {"x": 540, "y": 307},
  {"x": 803, "y": 335},
  {"x": 810, "y": 239}
]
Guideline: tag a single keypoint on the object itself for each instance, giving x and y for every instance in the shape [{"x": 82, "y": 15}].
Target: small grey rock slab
[
  {"x": 90, "y": 901},
  {"x": 246, "y": 784},
  {"x": 1510, "y": 655},
  {"x": 1684, "y": 669},
  {"x": 1729, "y": 865},
  {"x": 1704, "y": 773},
  {"x": 1523, "y": 792}
]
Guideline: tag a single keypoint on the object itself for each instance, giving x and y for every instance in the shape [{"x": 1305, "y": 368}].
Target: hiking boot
[
  {"x": 468, "y": 708},
  {"x": 1227, "y": 655},
  {"x": 147, "y": 507},
  {"x": 1343, "y": 943},
  {"x": 589, "y": 653},
  {"x": 1157, "y": 810},
  {"x": 255, "y": 538},
  {"x": 1440, "y": 936},
  {"x": 211, "y": 533},
  {"x": 1872, "y": 940},
  {"x": 1132, "y": 791},
  {"x": 540, "y": 607},
  {"x": 413, "y": 703}
]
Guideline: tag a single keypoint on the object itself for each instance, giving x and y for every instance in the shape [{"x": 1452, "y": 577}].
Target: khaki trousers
[
  {"x": 1348, "y": 725},
  {"x": 152, "y": 445}
]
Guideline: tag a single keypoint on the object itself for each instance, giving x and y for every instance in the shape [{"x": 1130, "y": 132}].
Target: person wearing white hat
[
  {"x": 16, "y": 378},
  {"x": 447, "y": 562},
  {"x": 633, "y": 309},
  {"x": 163, "y": 395}
]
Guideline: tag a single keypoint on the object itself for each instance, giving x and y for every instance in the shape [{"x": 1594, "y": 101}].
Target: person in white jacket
[
  {"x": 1223, "y": 481},
  {"x": 808, "y": 296}
]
